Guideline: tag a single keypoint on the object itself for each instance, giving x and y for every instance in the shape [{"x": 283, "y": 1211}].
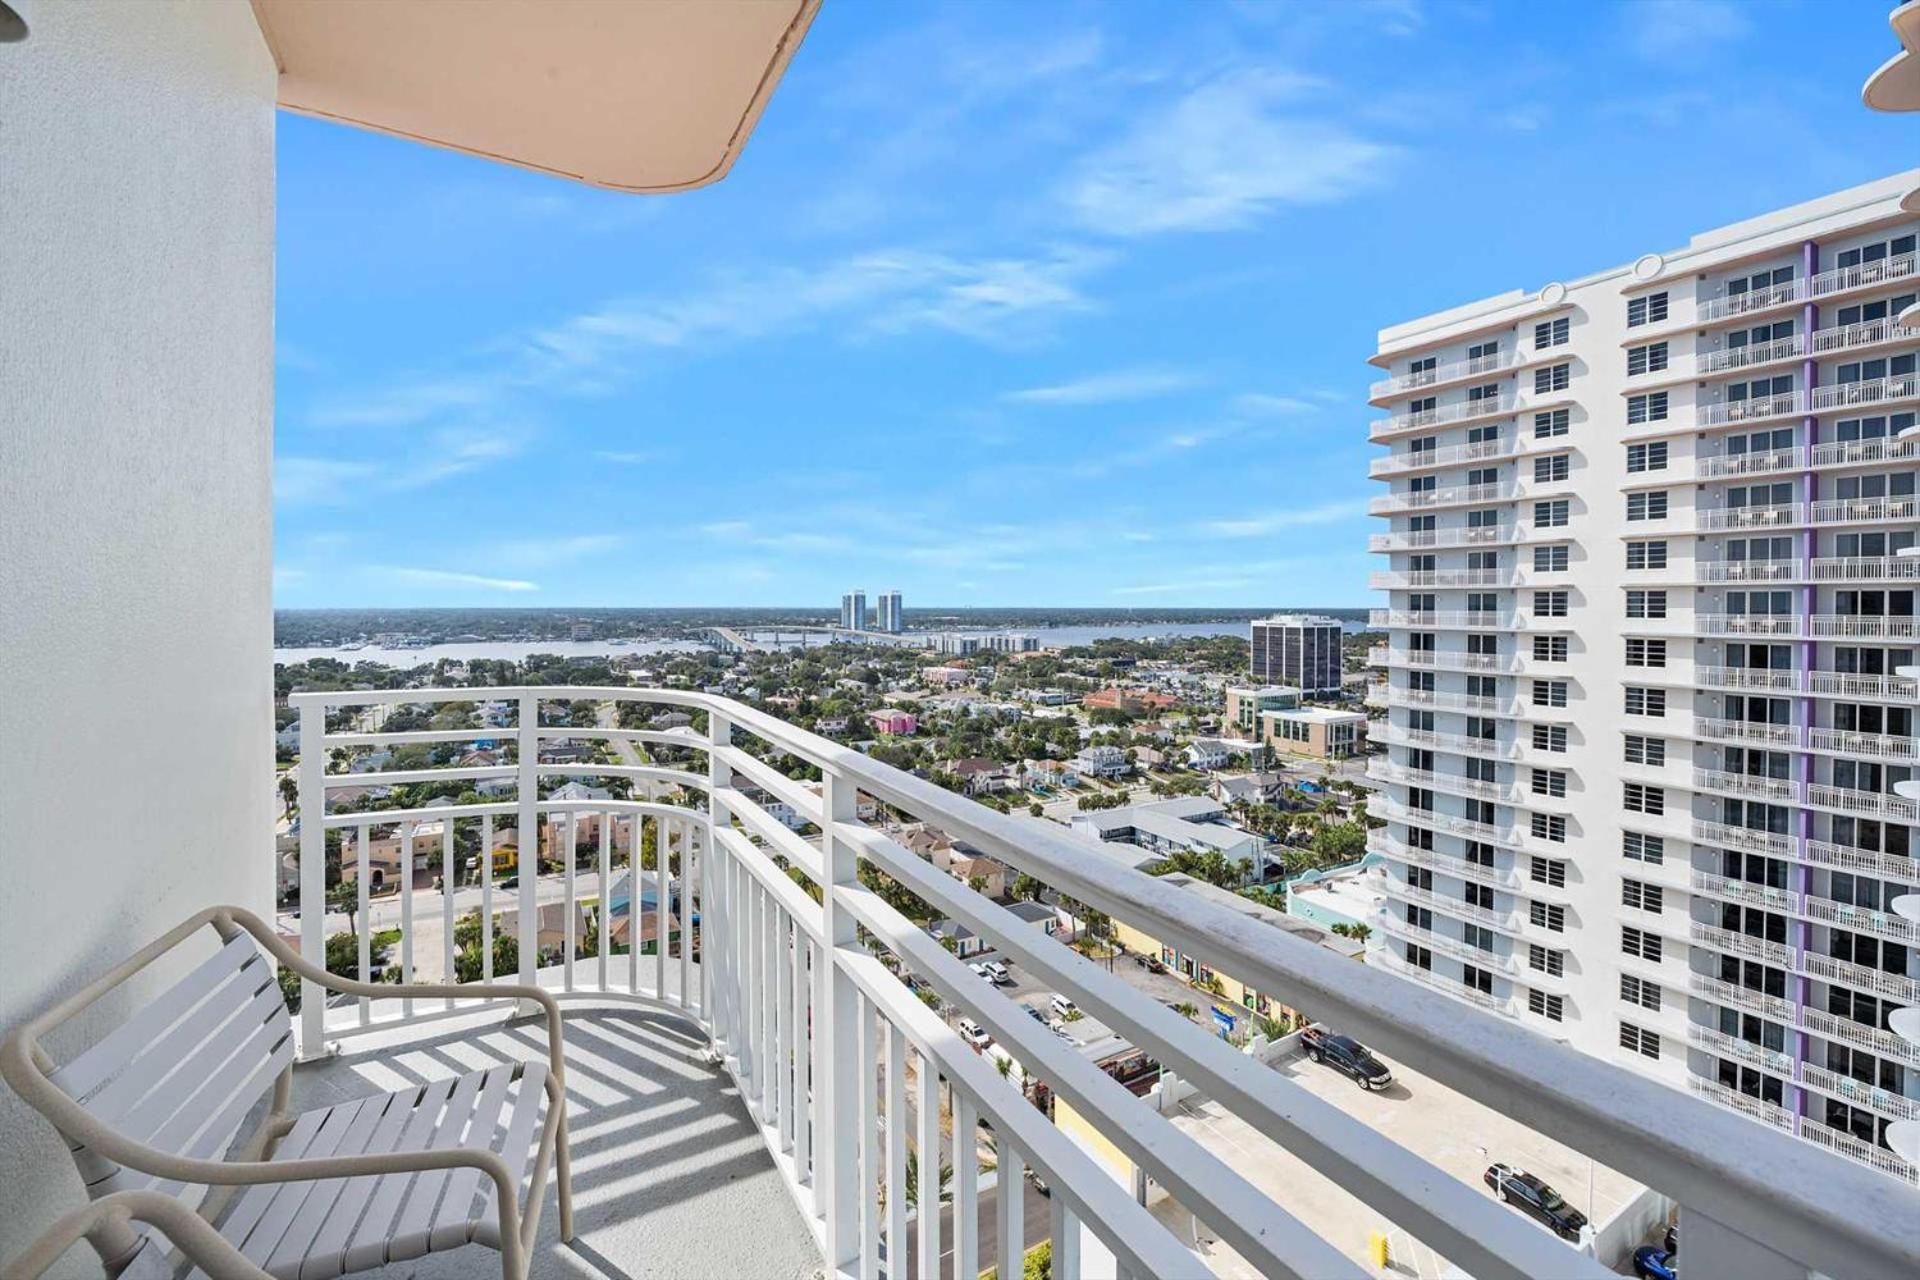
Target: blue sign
[{"x": 1225, "y": 1019}]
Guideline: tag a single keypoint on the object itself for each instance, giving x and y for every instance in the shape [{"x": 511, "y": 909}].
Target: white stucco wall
[{"x": 136, "y": 405}]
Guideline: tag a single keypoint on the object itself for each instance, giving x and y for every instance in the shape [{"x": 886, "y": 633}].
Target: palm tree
[
  {"x": 345, "y": 897},
  {"x": 289, "y": 794}
]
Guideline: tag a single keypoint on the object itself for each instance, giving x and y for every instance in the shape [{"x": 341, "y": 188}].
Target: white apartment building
[
  {"x": 1644, "y": 721},
  {"x": 1301, "y": 650},
  {"x": 853, "y": 611}
]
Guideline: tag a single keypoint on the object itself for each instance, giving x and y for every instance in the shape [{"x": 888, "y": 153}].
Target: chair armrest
[
  {"x": 183, "y": 1228},
  {"x": 277, "y": 947}
]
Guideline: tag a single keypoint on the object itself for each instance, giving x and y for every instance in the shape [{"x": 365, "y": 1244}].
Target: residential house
[
  {"x": 1103, "y": 762},
  {"x": 961, "y": 940},
  {"x": 980, "y": 776},
  {"x": 1134, "y": 702},
  {"x": 1208, "y": 754},
  {"x": 894, "y": 722},
  {"x": 1170, "y": 826},
  {"x": 1054, "y": 774}
]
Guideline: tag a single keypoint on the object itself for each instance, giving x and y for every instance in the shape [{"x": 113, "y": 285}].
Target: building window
[
  {"x": 1647, "y": 555},
  {"x": 1647, "y": 751},
  {"x": 1549, "y": 782},
  {"x": 1552, "y": 333},
  {"x": 1651, "y": 505},
  {"x": 1549, "y": 693},
  {"x": 1651, "y": 456},
  {"x": 1547, "y": 915},
  {"x": 1638, "y": 797},
  {"x": 1651, "y": 407},
  {"x": 1548, "y": 1007},
  {"x": 1550, "y": 604},
  {"x": 1639, "y": 991},
  {"x": 1552, "y": 378},
  {"x": 1641, "y": 896},
  {"x": 1550, "y": 515},
  {"x": 1642, "y": 701},
  {"x": 1646, "y": 653},
  {"x": 1639, "y": 1040},
  {"x": 1550, "y": 737},
  {"x": 1419, "y": 957},
  {"x": 1477, "y": 978},
  {"x": 1548, "y": 826},
  {"x": 1551, "y": 558},
  {"x": 1549, "y": 648},
  {"x": 1638, "y": 942},
  {"x": 1551, "y": 872},
  {"x": 1546, "y": 960},
  {"x": 1651, "y": 309},
  {"x": 1651, "y": 850},
  {"x": 1646, "y": 604},
  {"x": 1651, "y": 358},
  {"x": 1554, "y": 466},
  {"x": 1550, "y": 424}
]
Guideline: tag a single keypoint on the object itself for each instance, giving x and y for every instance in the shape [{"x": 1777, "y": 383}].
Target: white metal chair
[{"x": 159, "y": 1101}]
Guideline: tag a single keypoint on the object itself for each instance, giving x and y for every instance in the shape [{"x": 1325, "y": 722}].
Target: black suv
[
  {"x": 1346, "y": 1054},
  {"x": 1536, "y": 1199}
]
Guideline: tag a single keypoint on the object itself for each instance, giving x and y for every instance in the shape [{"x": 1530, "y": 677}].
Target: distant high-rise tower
[
  {"x": 853, "y": 611},
  {"x": 889, "y": 619},
  {"x": 1299, "y": 650}
]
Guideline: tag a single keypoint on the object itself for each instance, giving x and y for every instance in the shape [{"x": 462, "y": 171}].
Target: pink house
[{"x": 891, "y": 721}]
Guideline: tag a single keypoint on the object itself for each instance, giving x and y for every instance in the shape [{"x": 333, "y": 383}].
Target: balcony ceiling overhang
[
  {"x": 1896, "y": 85},
  {"x": 631, "y": 95}
]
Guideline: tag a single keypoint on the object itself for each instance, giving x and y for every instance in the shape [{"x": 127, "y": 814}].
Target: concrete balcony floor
[{"x": 670, "y": 1178}]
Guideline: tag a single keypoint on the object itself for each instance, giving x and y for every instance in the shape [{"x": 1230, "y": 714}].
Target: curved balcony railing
[
  {"x": 1453, "y": 536},
  {"x": 1452, "y": 455},
  {"x": 1442, "y": 579},
  {"x": 1460, "y": 411},
  {"x": 1451, "y": 496},
  {"x": 1453, "y": 371},
  {"x": 762, "y": 930}
]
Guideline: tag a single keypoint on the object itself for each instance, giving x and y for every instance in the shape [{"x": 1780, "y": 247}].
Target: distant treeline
[{"x": 294, "y": 628}]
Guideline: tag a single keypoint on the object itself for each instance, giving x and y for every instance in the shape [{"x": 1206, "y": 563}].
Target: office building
[
  {"x": 1647, "y": 617},
  {"x": 889, "y": 619},
  {"x": 853, "y": 611},
  {"x": 1297, "y": 649}
]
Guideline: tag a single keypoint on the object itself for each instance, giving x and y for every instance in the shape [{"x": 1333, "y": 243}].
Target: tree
[
  {"x": 1027, "y": 888},
  {"x": 1358, "y": 932},
  {"x": 344, "y": 898},
  {"x": 289, "y": 793},
  {"x": 1339, "y": 843}
]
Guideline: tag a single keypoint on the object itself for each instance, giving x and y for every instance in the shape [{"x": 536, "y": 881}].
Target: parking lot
[
  {"x": 1453, "y": 1132},
  {"x": 1163, "y": 986}
]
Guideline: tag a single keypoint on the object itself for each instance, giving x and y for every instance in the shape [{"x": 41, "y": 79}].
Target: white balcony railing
[
  {"x": 1442, "y": 660},
  {"x": 1870, "y": 391},
  {"x": 1715, "y": 519},
  {"x": 1453, "y": 371},
  {"x": 1453, "y": 536},
  {"x": 1725, "y": 412},
  {"x": 1443, "y": 619},
  {"x": 1451, "y": 496},
  {"x": 1864, "y": 569},
  {"x": 1452, "y": 455},
  {"x": 1853, "y": 453},
  {"x": 1731, "y": 837},
  {"x": 1746, "y": 1051},
  {"x": 1726, "y": 466},
  {"x": 1441, "y": 579},
  {"x": 1496, "y": 406},
  {"x": 1866, "y": 275},
  {"x": 797, "y": 973},
  {"x": 1747, "y": 570},
  {"x": 1851, "y": 337}
]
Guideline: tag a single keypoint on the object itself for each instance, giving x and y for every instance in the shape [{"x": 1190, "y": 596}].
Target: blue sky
[{"x": 1004, "y": 304}]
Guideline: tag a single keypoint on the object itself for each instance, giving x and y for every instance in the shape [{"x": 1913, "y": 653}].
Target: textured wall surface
[{"x": 136, "y": 408}]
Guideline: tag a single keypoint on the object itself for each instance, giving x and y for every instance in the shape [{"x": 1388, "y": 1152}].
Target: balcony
[
  {"x": 1822, "y": 342},
  {"x": 1717, "y": 519},
  {"x": 1726, "y": 1046},
  {"x": 1745, "y": 892},
  {"x": 1499, "y": 406},
  {"x": 1884, "y": 806},
  {"x": 1387, "y": 847},
  {"x": 1713, "y": 677},
  {"x": 1441, "y": 375},
  {"x": 1872, "y": 861},
  {"x": 1777, "y": 790},
  {"x": 1442, "y": 579},
  {"x": 1772, "y": 735},
  {"x": 1864, "y": 510},
  {"x": 1397, "y": 927},
  {"x": 1403, "y": 461},
  {"x": 1862, "y": 977},
  {"x": 1748, "y": 571},
  {"x": 1894, "y": 1106},
  {"x": 1730, "y": 466},
  {"x": 1827, "y": 284},
  {"x": 1452, "y": 783},
  {"x": 1866, "y": 1153},
  {"x": 1767, "y": 1113},
  {"x": 1724, "y": 413},
  {"x": 1879, "y": 1041},
  {"x": 1472, "y": 704},
  {"x": 1442, "y": 660},
  {"x": 1836, "y": 396},
  {"x": 1864, "y": 569},
  {"x": 1456, "y": 743},
  {"x": 1857, "y": 453},
  {"x": 1881, "y": 924},
  {"x": 1739, "y": 944},
  {"x": 1385, "y": 808},
  {"x": 756, "y": 1020},
  {"x": 1455, "y": 536},
  {"x": 1431, "y": 499},
  {"x": 1879, "y": 746},
  {"x": 1443, "y": 620}
]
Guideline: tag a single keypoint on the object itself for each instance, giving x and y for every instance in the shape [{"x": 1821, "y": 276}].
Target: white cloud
[
  {"x": 1682, "y": 31},
  {"x": 1221, "y": 158},
  {"x": 1107, "y": 388},
  {"x": 1259, "y": 402},
  {"x": 311, "y": 481},
  {"x": 448, "y": 578},
  {"x": 1297, "y": 517},
  {"x": 628, "y": 457},
  {"x": 540, "y": 553}
]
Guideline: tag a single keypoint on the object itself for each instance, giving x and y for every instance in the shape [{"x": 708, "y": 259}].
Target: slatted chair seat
[
  {"x": 159, "y": 1102},
  {"x": 318, "y": 1230}
]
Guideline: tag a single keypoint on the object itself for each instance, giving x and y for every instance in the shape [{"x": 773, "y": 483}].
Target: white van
[
  {"x": 974, "y": 1034},
  {"x": 1064, "y": 1008}
]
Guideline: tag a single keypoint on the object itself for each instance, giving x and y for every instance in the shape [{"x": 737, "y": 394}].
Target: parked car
[
  {"x": 1345, "y": 1054},
  {"x": 997, "y": 973},
  {"x": 981, "y": 972},
  {"x": 1064, "y": 1007},
  {"x": 1650, "y": 1262},
  {"x": 1536, "y": 1199},
  {"x": 974, "y": 1034}
]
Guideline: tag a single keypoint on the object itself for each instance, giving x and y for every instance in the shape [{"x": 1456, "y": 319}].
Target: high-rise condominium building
[
  {"x": 853, "y": 611},
  {"x": 890, "y": 619},
  {"x": 1643, "y": 716},
  {"x": 1297, "y": 649}
]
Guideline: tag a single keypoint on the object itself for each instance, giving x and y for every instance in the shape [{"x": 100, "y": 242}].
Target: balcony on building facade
[
  {"x": 1858, "y": 1034},
  {"x": 1442, "y": 579},
  {"x": 1452, "y": 536},
  {"x": 1835, "y": 396},
  {"x": 1877, "y": 862},
  {"x": 1387, "y": 846},
  {"x": 1483, "y": 408},
  {"x": 1458, "y": 784},
  {"x": 1744, "y": 891},
  {"x": 1853, "y": 1148},
  {"x": 1444, "y": 619},
  {"x": 1785, "y": 570},
  {"x": 1862, "y": 336},
  {"x": 1432, "y": 499},
  {"x": 1778, "y": 790},
  {"x": 1443, "y": 660},
  {"x": 1452, "y": 455},
  {"x": 1885, "y": 806},
  {"x": 1826, "y": 284},
  {"x": 1391, "y": 810},
  {"x": 1847, "y": 742},
  {"x": 1396, "y": 735},
  {"x": 1879, "y": 924},
  {"x": 1444, "y": 374},
  {"x": 1895, "y": 986},
  {"x": 1893, "y": 1106},
  {"x": 1856, "y": 453},
  {"x": 1396, "y": 927},
  {"x": 1718, "y": 519},
  {"x": 1732, "y": 466},
  {"x": 1722, "y": 413},
  {"x": 1472, "y": 704},
  {"x": 1740, "y": 944},
  {"x": 1767, "y": 1113},
  {"x": 1864, "y": 569},
  {"x": 1726, "y": 1046},
  {"x": 1716, "y": 729}
]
